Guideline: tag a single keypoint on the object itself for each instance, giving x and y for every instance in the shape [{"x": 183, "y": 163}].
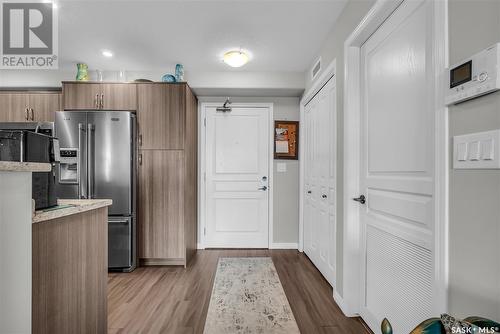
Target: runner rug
[{"x": 248, "y": 297}]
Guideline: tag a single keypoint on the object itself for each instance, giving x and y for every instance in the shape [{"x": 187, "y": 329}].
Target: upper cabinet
[
  {"x": 161, "y": 116},
  {"x": 81, "y": 96},
  {"x": 13, "y": 107},
  {"x": 97, "y": 96},
  {"x": 42, "y": 107},
  {"x": 29, "y": 107}
]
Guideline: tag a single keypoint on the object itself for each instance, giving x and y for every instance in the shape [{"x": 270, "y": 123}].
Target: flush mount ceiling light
[
  {"x": 107, "y": 53},
  {"x": 235, "y": 58}
]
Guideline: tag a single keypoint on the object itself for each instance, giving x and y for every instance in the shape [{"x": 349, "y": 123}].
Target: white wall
[
  {"x": 474, "y": 194},
  {"x": 333, "y": 48},
  {"x": 203, "y": 83},
  {"x": 286, "y": 184}
]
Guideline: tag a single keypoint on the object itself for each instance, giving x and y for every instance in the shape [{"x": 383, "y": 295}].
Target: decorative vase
[
  {"x": 168, "y": 78},
  {"x": 179, "y": 72},
  {"x": 83, "y": 72}
]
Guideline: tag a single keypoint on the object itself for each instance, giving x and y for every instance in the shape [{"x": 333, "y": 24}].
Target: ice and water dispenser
[{"x": 68, "y": 170}]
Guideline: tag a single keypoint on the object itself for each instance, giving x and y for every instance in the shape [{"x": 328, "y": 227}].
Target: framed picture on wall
[{"x": 286, "y": 140}]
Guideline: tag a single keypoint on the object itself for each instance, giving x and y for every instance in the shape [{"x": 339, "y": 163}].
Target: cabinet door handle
[
  {"x": 27, "y": 114},
  {"x": 140, "y": 159},
  {"x": 96, "y": 101},
  {"x": 140, "y": 140},
  {"x": 32, "y": 114},
  {"x": 102, "y": 101}
]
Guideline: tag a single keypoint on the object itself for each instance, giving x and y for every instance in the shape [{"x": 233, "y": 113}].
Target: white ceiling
[{"x": 282, "y": 36}]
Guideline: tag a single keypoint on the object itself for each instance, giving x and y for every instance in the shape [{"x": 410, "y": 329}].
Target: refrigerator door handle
[
  {"x": 90, "y": 159},
  {"x": 81, "y": 130}
]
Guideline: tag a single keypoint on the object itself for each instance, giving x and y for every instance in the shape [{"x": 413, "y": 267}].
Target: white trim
[
  {"x": 381, "y": 10},
  {"x": 340, "y": 302},
  {"x": 202, "y": 163},
  {"x": 323, "y": 78},
  {"x": 284, "y": 245}
]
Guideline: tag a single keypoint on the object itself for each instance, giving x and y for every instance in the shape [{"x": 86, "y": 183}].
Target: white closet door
[
  {"x": 320, "y": 163},
  {"x": 397, "y": 173}
]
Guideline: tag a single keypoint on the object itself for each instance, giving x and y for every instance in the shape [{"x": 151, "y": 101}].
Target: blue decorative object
[
  {"x": 179, "y": 72},
  {"x": 168, "y": 78}
]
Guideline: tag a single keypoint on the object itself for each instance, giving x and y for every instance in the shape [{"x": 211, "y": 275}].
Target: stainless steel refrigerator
[{"x": 98, "y": 161}]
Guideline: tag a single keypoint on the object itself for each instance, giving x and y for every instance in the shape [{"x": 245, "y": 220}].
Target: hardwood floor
[{"x": 175, "y": 300}]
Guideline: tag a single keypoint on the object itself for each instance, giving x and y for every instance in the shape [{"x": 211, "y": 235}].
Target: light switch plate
[
  {"x": 479, "y": 150},
  {"x": 281, "y": 167}
]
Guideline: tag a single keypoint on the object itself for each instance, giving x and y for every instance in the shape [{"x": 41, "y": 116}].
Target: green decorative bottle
[{"x": 83, "y": 72}]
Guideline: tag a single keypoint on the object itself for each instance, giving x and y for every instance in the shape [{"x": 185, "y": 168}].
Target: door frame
[
  {"x": 329, "y": 73},
  {"x": 381, "y": 10},
  {"x": 202, "y": 186}
]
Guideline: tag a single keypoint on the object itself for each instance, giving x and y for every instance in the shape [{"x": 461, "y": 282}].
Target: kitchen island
[
  {"x": 70, "y": 267},
  {"x": 54, "y": 262}
]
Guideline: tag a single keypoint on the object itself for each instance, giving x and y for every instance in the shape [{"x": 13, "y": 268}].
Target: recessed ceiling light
[
  {"x": 235, "y": 58},
  {"x": 107, "y": 53}
]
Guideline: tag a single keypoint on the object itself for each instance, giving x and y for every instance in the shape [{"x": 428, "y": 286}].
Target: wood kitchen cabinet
[
  {"x": 161, "y": 122},
  {"x": 25, "y": 106},
  {"x": 167, "y": 174},
  {"x": 97, "y": 96},
  {"x": 42, "y": 107},
  {"x": 161, "y": 213}
]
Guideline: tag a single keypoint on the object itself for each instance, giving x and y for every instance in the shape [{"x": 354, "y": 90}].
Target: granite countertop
[
  {"x": 14, "y": 166},
  {"x": 68, "y": 207}
]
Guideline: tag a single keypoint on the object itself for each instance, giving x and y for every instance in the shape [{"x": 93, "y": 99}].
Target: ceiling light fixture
[
  {"x": 107, "y": 53},
  {"x": 235, "y": 58}
]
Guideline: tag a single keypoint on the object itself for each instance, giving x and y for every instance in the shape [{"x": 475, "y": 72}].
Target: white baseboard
[
  {"x": 276, "y": 245},
  {"x": 343, "y": 307},
  {"x": 284, "y": 245}
]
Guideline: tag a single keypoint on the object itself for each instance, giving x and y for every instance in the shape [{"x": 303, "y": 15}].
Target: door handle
[
  {"x": 361, "y": 199},
  {"x": 140, "y": 159},
  {"x": 32, "y": 114},
  {"x": 90, "y": 160},
  {"x": 80, "y": 161},
  {"x": 102, "y": 101},
  {"x": 264, "y": 188},
  {"x": 27, "y": 114},
  {"x": 96, "y": 101},
  {"x": 309, "y": 192},
  {"x": 140, "y": 140}
]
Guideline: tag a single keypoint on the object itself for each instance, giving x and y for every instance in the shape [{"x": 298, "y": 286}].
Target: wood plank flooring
[{"x": 175, "y": 300}]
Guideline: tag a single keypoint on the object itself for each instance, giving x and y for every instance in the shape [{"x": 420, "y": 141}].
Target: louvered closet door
[
  {"x": 319, "y": 204},
  {"x": 397, "y": 173}
]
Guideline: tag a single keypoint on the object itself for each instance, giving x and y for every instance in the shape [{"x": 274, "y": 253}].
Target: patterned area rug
[{"x": 248, "y": 298}]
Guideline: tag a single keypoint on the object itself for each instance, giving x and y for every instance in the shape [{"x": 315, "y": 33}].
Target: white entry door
[
  {"x": 397, "y": 169},
  {"x": 237, "y": 178},
  {"x": 320, "y": 133}
]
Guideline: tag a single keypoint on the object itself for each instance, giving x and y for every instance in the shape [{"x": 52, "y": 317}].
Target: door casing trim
[
  {"x": 202, "y": 187},
  {"x": 381, "y": 10}
]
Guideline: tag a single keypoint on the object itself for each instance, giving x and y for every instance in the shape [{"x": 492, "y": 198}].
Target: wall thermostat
[{"x": 475, "y": 76}]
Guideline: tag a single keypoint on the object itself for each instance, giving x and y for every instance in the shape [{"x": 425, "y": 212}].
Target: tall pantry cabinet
[{"x": 167, "y": 118}]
